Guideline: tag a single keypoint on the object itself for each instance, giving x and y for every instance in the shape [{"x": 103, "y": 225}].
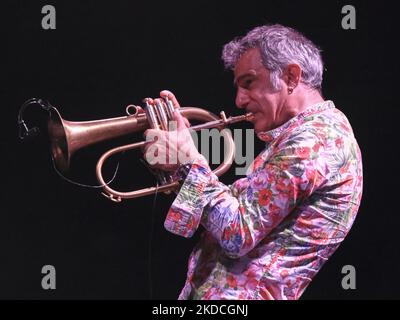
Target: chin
[{"x": 261, "y": 127}]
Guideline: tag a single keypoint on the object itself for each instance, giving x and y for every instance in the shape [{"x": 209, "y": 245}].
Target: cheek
[
  {"x": 263, "y": 103},
  {"x": 263, "y": 112},
  {"x": 267, "y": 106}
]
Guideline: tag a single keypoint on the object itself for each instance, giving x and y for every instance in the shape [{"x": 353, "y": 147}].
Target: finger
[
  {"x": 152, "y": 154},
  {"x": 148, "y": 100},
  {"x": 151, "y": 135},
  {"x": 156, "y": 156},
  {"x": 168, "y": 94},
  {"x": 146, "y": 147},
  {"x": 187, "y": 123}
]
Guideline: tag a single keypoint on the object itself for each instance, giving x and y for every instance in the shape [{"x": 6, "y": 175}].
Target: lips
[{"x": 250, "y": 110}]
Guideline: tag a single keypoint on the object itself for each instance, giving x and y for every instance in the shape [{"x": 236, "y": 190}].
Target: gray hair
[{"x": 279, "y": 46}]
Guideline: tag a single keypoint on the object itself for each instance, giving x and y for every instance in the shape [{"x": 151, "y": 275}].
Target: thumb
[{"x": 180, "y": 121}]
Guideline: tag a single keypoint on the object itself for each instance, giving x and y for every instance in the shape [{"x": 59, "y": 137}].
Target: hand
[{"x": 167, "y": 150}]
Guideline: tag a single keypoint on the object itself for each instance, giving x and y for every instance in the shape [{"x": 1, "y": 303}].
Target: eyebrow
[
  {"x": 235, "y": 82},
  {"x": 250, "y": 73}
]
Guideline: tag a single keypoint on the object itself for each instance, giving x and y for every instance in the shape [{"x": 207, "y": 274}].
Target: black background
[{"x": 105, "y": 55}]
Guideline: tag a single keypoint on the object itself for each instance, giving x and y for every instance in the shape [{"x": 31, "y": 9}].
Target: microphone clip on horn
[{"x": 24, "y": 131}]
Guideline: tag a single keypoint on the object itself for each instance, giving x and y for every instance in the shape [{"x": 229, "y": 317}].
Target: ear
[{"x": 292, "y": 75}]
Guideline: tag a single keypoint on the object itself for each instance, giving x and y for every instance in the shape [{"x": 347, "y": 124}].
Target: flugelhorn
[{"x": 66, "y": 137}]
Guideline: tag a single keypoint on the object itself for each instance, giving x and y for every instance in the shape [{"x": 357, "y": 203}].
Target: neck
[{"x": 301, "y": 99}]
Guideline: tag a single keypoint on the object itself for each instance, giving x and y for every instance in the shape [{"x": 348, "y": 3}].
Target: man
[{"x": 268, "y": 234}]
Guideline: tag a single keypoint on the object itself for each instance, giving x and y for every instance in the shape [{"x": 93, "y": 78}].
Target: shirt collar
[{"x": 268, "y": 136}]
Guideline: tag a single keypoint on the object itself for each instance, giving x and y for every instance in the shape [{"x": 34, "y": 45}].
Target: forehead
[
  {"x": 249, "y": 62},
  {"x": 251, "y": 59}
]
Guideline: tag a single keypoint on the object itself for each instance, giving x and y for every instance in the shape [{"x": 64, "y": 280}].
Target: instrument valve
[{"x": 223, "y": 117}]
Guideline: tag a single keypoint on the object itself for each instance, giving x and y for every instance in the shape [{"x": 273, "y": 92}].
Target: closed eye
[
  {"x": 247, "y": 83},
  {"x": 244, "y": 81}
]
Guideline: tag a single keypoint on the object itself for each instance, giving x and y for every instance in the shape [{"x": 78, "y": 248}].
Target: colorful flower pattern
[{"x": 268, "y": 234}]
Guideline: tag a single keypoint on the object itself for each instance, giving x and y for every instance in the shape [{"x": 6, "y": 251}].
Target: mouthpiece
[
  {"x": 246, "y": 117},
  {"x": 249, "y": 116}
]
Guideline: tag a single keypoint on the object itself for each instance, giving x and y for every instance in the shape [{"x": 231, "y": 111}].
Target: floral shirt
[{"x": 268, "y": 234}]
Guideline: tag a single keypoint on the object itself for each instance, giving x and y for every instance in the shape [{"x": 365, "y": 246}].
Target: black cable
[
  {"x": 150, "y": 252},
  {"x": 24, "y": 131}
]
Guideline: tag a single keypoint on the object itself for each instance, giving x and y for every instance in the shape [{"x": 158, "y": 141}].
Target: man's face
[{"x": 255, "y": 92}]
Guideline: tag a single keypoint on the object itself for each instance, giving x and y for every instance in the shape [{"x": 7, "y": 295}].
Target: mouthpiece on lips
[{"x": 249, "y": 116}]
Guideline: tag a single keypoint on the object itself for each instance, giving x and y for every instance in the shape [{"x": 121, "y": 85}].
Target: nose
[{"x": 242, "y": 98}]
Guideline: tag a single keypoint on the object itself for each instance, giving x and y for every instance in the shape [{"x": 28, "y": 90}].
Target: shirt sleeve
[{"x": 241, "y": 215}]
